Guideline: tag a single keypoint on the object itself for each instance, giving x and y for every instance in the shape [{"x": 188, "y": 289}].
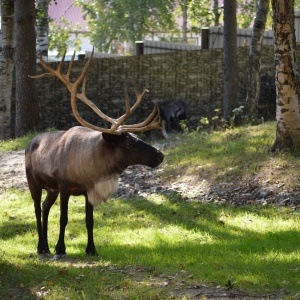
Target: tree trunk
[
  {"x": 42, "y": 28},
  {"x": 230, "y": 57},
  {"x": 25, "y": 64},
  {"x": 253, "y": 86},
  {"x": 216, "y": 12},
  {"x": 286, "y": 79},
  {"x": 184, "y": 21},
  {"x": 6, "y": 68}
]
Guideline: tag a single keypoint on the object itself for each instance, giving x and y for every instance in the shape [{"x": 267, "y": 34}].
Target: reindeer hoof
[
  {"x": 43, "y": 256},
  {"x": 58, "y": 256},
  {"x": 91, "y": 253}
]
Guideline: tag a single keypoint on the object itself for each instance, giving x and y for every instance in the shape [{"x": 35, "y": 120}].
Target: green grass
[
  {"x": 224, "y": 149},
  {"x": 233, "y": 155},
  {"x": 154, "y": 246},
  {"x": 16, "y": 144}
]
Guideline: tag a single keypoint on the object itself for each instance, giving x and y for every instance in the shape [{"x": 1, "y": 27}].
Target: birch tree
[
  {"x": 42, "y": 27},
  {"x": 253, "y": 86},
  {"x": 184, "y": 8},
  {"x": 6, "y": 68},
  {"x": 286, "y": 77}
]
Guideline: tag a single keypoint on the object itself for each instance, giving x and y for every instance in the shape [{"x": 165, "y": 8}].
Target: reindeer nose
[{"x": 161, "y": 156}]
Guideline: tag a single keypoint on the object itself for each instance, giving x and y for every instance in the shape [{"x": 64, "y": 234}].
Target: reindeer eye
[{"x": 129, "y": 143}]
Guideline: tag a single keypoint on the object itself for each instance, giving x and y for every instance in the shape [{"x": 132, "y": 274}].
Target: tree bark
[
  {"x": 25, "y": 64},
  {"x": 216, "y": 12},
  {"x": 230, "y": 57},
  {"x": 253, "y": 86},
  {"x": 6, "y": 68},
  {"x": 42, "y": 28},
  {"x": 184, "y": 20},
  {"x": 286, "y": 77}
]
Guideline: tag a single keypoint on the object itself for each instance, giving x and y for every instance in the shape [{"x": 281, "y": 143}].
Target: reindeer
[{"x": 84, "y": 160}]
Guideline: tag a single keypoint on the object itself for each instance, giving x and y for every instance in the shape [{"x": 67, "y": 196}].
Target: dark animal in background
[
  {"x": 83, "y": 160},
  {"x": 172, "y": 114}
]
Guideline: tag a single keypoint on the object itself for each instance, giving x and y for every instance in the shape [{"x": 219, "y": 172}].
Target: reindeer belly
[{"x": 102, "y": 190}]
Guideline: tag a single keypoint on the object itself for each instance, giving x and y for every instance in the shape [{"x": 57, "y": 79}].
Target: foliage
[
  {"x": 247, "y": 12},
  {"x": 237, "y": 112},
  {"x": 39, "y": 13},
  {"x": 216, "y": 122},
  {"x": 114, "y": 27},
  {"x": 213, "y": 121},
  {"x": 114, "y": 21},
  {"x": 247, "y": 15},
  {"x": 200, "y": 13},
  {"x": 165, "y": 244},
  {"x": 59, "y": 36},
  {"x": 126, "y": 20},
  {"x": 205, "y": 13},
  {"x": 183, "y": 124}
]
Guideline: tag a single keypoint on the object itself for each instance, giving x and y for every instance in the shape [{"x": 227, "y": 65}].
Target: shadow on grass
[
  {"x": 13, "y": 227},
  {"x": 210, "y": 247},
  {"x": 12, "y": 281},
  {"x": 138, "y": 232}
]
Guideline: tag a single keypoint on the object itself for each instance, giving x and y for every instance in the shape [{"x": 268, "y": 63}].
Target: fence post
[
  {"x": 139, "y": 47},
  {"x": 204, "y": 38}
]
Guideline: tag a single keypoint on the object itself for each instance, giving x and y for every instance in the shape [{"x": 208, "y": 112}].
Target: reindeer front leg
[
  {"x": 89, "y": 221},
  {"x": 36, "y": 194}
]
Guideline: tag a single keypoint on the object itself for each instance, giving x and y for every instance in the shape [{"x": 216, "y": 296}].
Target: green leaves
[
  {"x": 59, "y": 37},
  {"x": 115, "y": 21}
]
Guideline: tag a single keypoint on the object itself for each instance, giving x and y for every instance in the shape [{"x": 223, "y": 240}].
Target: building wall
[{"x": 193, "y": 76}]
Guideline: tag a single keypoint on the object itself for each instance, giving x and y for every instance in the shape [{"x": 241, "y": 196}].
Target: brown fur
[{"x": 79, "y": 161}]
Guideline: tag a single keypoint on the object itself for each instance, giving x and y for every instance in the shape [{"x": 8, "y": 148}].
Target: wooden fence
[
  {"x": 211, "y": 38},
  {"x": 244, "y": 36},
  {"x": 152, "y": 47}
]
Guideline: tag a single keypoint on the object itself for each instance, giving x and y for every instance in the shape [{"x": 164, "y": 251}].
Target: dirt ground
[{"x": 12, "y": 172}]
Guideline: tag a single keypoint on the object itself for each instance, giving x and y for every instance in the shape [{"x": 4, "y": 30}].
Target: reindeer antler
[{"x": 151, "y": 122}]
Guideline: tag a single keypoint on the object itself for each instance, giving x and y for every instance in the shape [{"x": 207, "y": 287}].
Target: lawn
[{"x": 167, "y": 244}]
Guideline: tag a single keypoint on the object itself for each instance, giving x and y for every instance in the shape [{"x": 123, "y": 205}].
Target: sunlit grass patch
[
  {"x": 222, "y": 153},
  {"x": 16, "y": 144}
]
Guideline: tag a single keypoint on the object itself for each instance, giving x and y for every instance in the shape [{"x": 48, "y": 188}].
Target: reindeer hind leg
[{"x": 46, "y": 206}]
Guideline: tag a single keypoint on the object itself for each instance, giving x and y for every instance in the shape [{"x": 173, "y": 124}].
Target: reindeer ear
[{"x": 113, "y": 138}]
